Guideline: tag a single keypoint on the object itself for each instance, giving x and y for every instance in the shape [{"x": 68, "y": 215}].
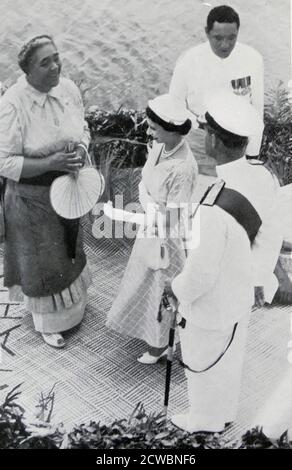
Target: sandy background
[{"x": 125, "y": 50}]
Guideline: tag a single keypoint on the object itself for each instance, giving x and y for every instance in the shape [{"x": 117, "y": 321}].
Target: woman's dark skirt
[{"x": 37, "y": 256}]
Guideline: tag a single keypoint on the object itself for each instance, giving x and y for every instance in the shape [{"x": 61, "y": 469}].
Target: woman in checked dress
[{"x": 168, "y": 181}]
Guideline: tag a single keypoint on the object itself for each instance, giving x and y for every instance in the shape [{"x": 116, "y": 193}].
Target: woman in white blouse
[{"x": 41, "y": 119}]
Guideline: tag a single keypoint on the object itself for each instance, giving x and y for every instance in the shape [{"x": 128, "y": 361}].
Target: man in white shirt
[
  {"x": 215, "y": 290},
  {"x": 220, "y": 63}
]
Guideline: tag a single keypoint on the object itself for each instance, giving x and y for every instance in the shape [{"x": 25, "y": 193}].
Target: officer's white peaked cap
[{"x": 235, "y": 114}]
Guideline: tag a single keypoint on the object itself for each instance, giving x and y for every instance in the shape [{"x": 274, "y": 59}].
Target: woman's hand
[
  {"x": 70, "y": 162},
  {"x": 62, "y": 161}
]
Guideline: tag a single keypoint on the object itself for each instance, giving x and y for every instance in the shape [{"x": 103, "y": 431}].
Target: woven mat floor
[{"x": 97, "y": 376}]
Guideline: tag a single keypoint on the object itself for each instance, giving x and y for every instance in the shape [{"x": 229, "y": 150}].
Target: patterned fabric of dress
[{"x": 134, "y": 312}]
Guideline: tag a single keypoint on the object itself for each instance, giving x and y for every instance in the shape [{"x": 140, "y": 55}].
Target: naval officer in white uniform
[{"x": 216, "y": 287}]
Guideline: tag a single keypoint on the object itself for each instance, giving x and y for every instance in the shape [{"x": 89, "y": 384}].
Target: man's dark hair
[
  {"x": 230, "y": 140},
  {"x": 222, "y": 14},
  {"x": 237, "y": 142}
]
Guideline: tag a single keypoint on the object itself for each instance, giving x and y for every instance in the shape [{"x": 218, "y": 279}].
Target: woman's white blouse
[{"x": 35, "y": 124}]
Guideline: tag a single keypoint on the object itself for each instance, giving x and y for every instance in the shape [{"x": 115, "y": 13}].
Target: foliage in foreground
[{"x": 140, "y": 431}]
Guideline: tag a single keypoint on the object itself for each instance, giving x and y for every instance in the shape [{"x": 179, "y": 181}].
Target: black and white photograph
[{"x": 145, "y": 227}]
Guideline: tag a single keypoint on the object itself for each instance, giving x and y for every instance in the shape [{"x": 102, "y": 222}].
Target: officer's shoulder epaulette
[{"x": 212, "y": 194}]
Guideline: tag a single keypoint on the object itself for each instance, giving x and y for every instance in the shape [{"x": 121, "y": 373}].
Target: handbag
[{"x": 154, "y": 252}]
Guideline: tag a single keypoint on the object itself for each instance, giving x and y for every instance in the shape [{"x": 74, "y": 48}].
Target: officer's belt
[{"x": 235, "y": 204}]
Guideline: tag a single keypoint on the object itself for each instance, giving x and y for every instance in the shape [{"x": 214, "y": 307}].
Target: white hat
[
  {"x": 169, "y": 109},
  {"x": 234, "y": 114}
]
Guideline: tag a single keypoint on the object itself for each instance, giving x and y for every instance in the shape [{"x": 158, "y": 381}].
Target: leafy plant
[
  {"x": 277, "y": 139},
  {"x": 119, "y": 142},
  {"x": 139, "y": 431},
  {"x": 123, "y": 123},
  {"x": 18, "y": 433},
  {"x": 12, "y": 428},
  {"x": 256, "y": 439},
  {"x": 46, "y": 406}
]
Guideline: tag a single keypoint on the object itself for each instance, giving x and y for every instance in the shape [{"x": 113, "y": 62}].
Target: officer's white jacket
[
  {"x": 216, "y": 286},
  {"x": 261, "y": 188}
]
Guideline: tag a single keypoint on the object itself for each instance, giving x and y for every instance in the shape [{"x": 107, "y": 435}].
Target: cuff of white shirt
[{"x": 11, "y": 167}]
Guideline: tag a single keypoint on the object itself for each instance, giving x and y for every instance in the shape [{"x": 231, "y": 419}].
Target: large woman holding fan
[{"x": 41, "y": 116}]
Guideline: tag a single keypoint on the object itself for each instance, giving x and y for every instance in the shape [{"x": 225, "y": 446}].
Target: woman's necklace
[{"x": 168, "y": 153}]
